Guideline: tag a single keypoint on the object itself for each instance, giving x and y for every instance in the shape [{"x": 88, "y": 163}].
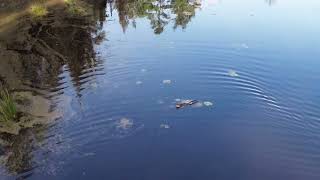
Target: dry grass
[{"x": 8, "y": 109}]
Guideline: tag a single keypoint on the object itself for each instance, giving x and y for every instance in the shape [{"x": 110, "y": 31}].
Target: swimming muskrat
[{"x": 185, "y": 103}]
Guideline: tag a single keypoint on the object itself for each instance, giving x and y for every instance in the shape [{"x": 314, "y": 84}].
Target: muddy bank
[
  {"x": 33, "y": 56},
  {"x": 34, "y": 51},
  {"x": 34, "y": 110}
]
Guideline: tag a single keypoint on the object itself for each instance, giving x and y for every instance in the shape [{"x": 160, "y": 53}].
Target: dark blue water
[{"x": 256, "y": 61}]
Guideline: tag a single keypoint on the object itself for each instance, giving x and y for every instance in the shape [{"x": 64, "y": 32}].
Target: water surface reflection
[{"x": 108, "y": 74}]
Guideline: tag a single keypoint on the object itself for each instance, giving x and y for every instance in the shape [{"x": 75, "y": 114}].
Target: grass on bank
[
  {"x": 38, "y": 10},
  {"x": 75, "y": 7},
  {"x": 8, "y": 109}
]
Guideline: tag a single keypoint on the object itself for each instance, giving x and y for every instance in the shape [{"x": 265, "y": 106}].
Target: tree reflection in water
[{"x": 159, "y": 12}]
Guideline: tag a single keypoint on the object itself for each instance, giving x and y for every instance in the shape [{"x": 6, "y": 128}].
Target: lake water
[{"x": 253, "y": 65}]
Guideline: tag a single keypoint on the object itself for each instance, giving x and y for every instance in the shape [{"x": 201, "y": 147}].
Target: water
[{"x": 256, "y": 61}]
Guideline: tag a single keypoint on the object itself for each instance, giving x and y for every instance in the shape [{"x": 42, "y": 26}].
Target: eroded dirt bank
[{"x": 34, "y": 49}]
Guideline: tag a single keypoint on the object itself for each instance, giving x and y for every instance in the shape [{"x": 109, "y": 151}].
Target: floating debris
[
  {"x": 125, "y": 123},
  {"x": 167, "y": 81},
  {"x": 138, "y": 82},
  {"x": 208, "y": 103},
  {"x": 233, "y": 73},
  {"x": 94, "y": 85},
  {"x": 160, "y": 101},
  {"x": 89, "y": 154},
  {"x": 184, "y": 103},
  {"x": 164, "y": 126}
]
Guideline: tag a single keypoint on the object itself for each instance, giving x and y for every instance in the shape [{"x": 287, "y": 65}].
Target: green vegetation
[
  {"x": 8, "y": 110},
  {"x": 74, "y": 7},
  {"x": 38, "y": 10}
]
